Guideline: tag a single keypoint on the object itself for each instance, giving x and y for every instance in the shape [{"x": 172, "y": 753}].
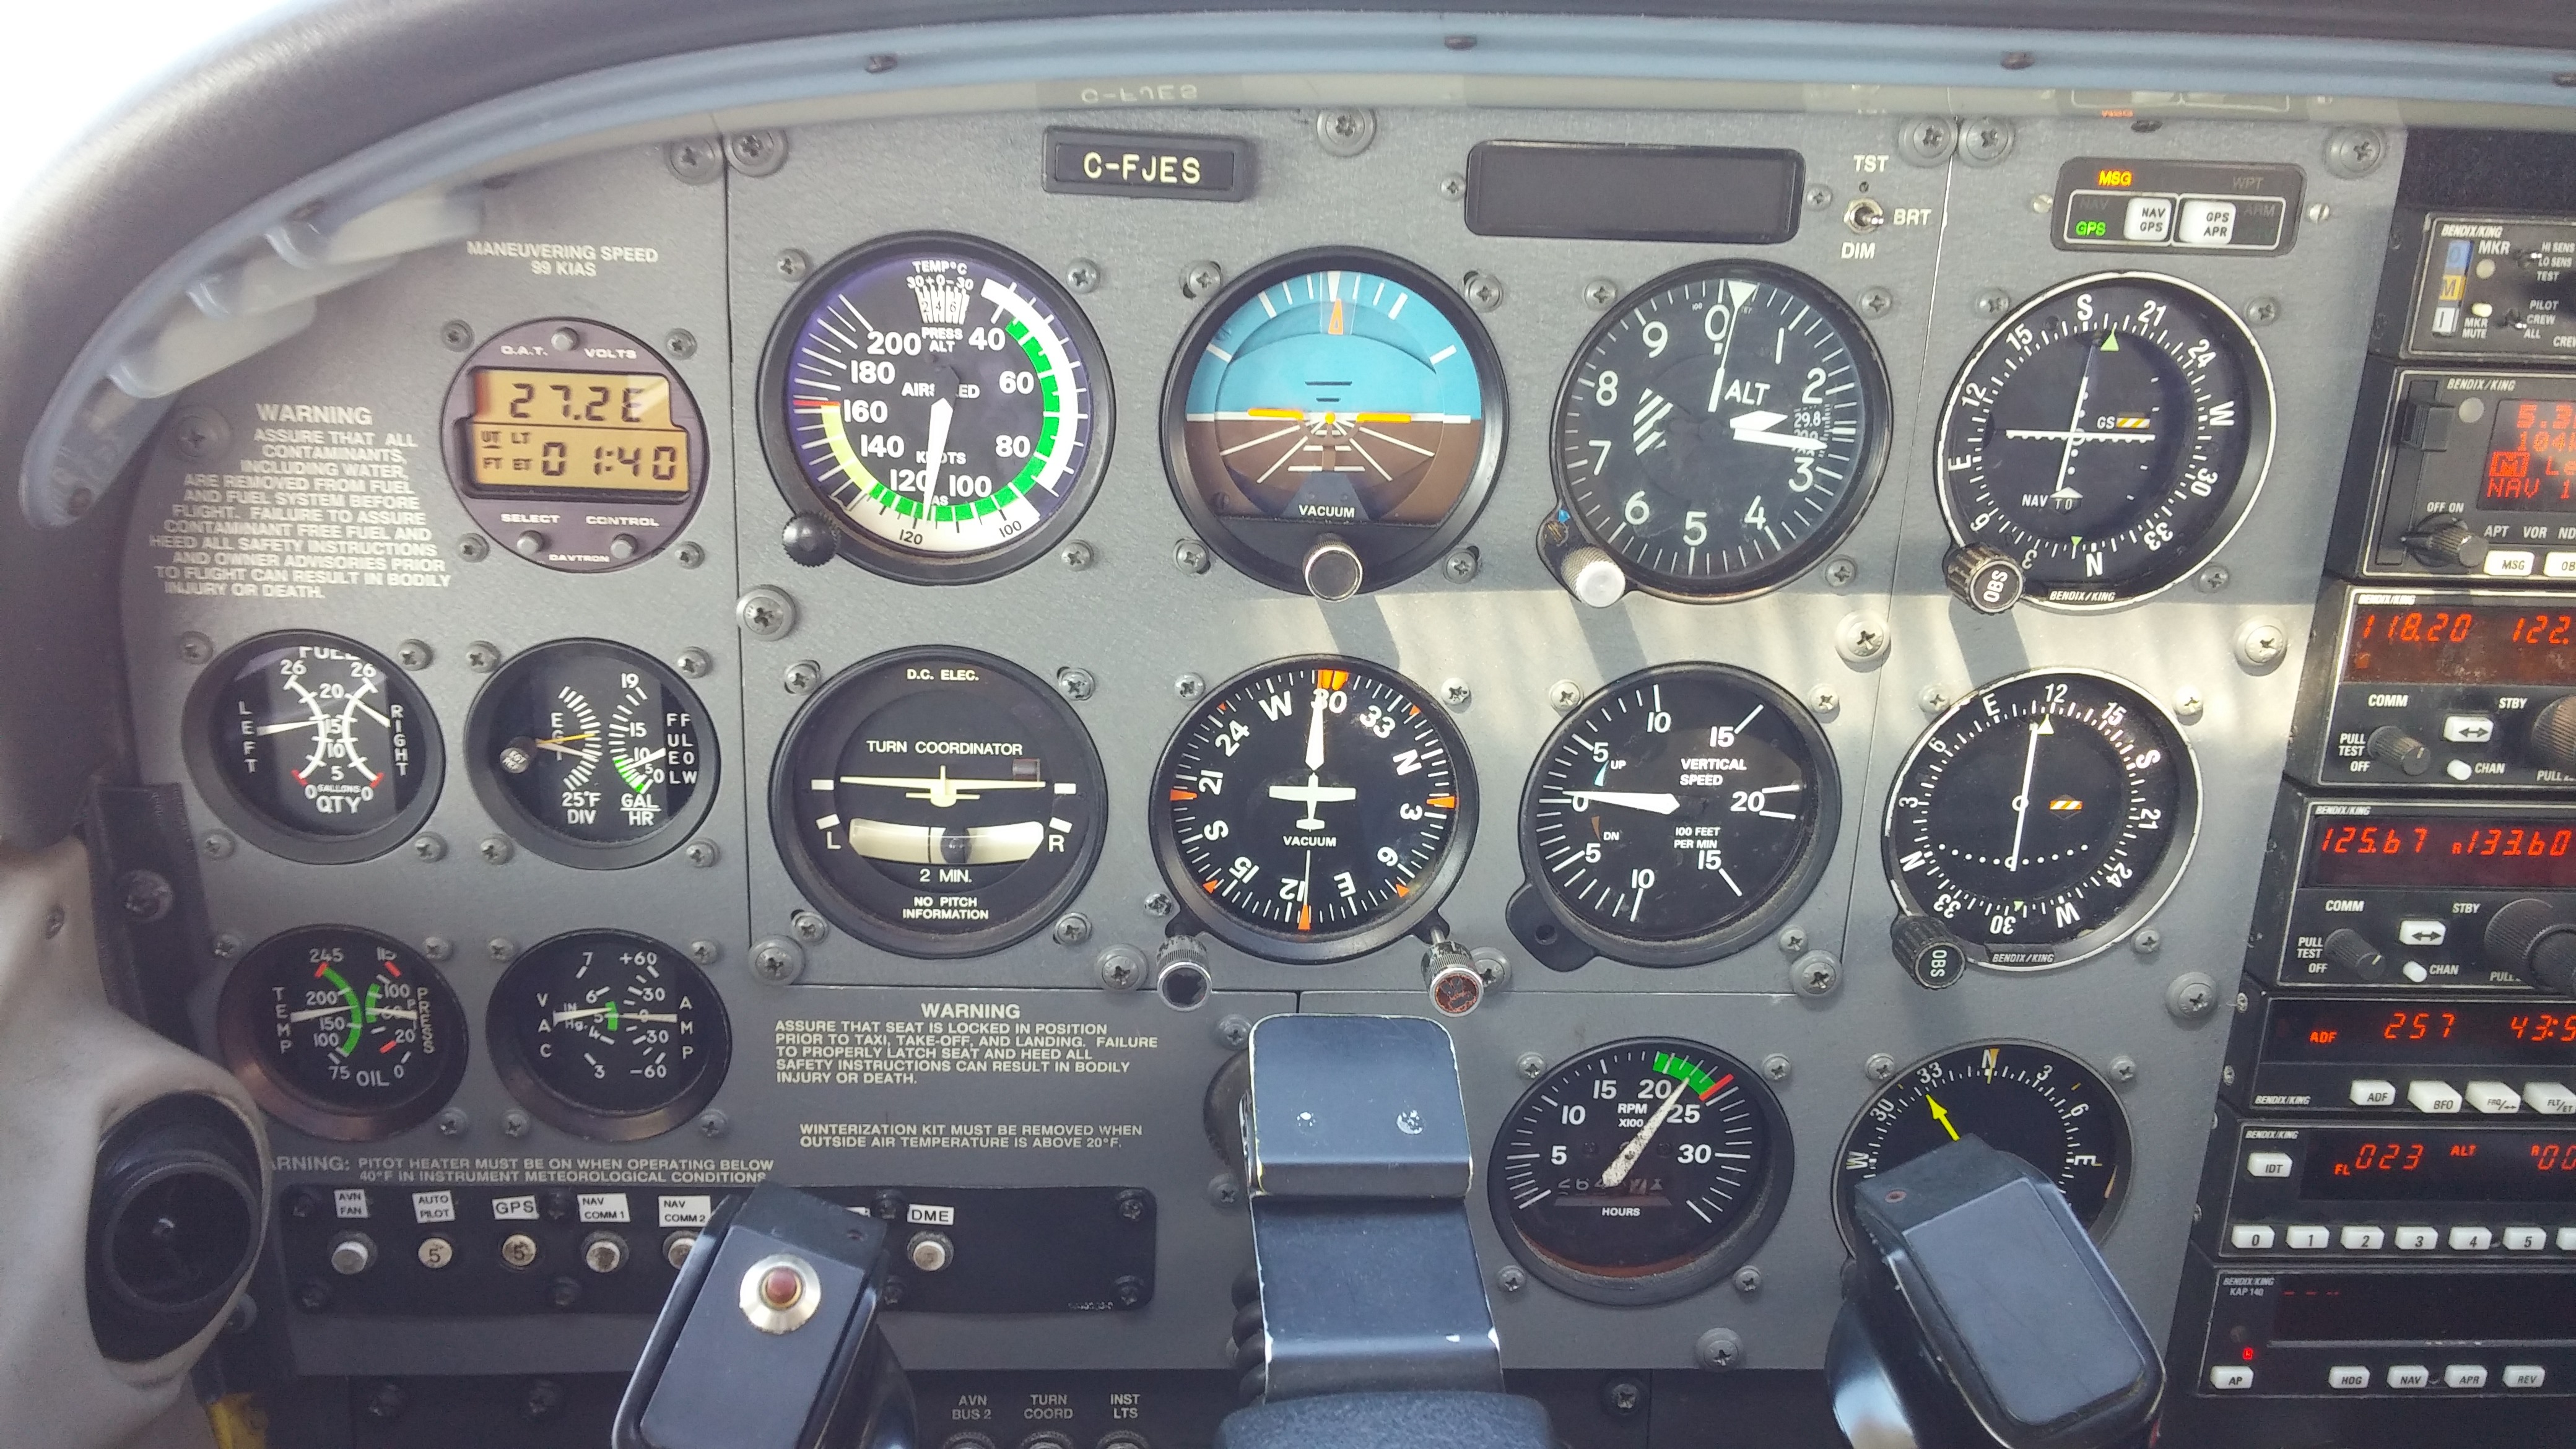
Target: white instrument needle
[
  {"x": 942, "y": 413},
  {"x": 1586, "y": 799},
  {"x": 1756, "y": 427},
  {"x": 1620, "y": 1166},
  {"x": 2021, "y": 802}
]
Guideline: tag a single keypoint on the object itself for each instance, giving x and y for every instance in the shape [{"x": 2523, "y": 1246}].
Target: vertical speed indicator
[{"x": 1314, "y": 809}]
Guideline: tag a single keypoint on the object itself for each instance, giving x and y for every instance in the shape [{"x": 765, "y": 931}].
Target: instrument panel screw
[
  {"x": 809, "y": 927},
  {"x": 1791, "y": 940},
  {"x": 1840, "y": 571},
  {"x": 1825, "y": 701},
  {"x": 696, "y": 663},
  {"x": 1459, "y": 42},
  {"x": 1190, "y": 556},
  {"x": 1861, "y": 636},
  {"x": 1158, "y": 904},
  {"x": 1456, "y": 694},
  {"x": 713, "y": 1124},
  {"x": 880, "y": 64},
  {"x": 2318, "y": 211},
  {"x": 195, "y": 648},
  {"x": 1453, "y": 187},
  {"x": 1933, "y": 699},
  {"x": 1623, "y": 1397},
  {"x": 1879, "y": 1067},
  {"x": 495, "y": 850},
  {"x": 2263, "y": 311},
  {"x": 1235, "y": 1031},
  {"x": 1599, "y": 293},
  {"x": 680, "y": 342},
  {"x": 1081, "y": 275},
  {"x": 1077, "y": 555},
  {"x": 777, "y": 962},
  {"x": 1345, "y": 131},
  {"x": 1877, "y": 301},
  {"x": 499, "y": 948},
  {"x": 1461, "y": 566},
  {"x": 1926, "y": 140},
  {"x": 705, "y": 953},
  {"x": 1993, "y": 302},
  {"x": 1816, "y": 974},
  {"x": 793, "y": 263},
  {"x": 1128, "y": 1290},
  {"x": 1132, "y": 1205},
  {"x": 1075, "y": 682},
  {"x": 217, "y": 845},
  {"x": 452, "y": 1122},
  {"x": 437, "y": 948},
  {"x": 695, "y": 160},
  {"x": 482, "y": 656},
  {"x": 1511, "y": 1279},
  {"x": 1564, "y": 695},
  {"x": 1223, "y": 1191},
  {"x": 1072, "y": 929},
  {"x": 455, "y": 335},
  {"x": 2123, "y": 1070},
  {"x": 1985, "y": 141},
  {"x": 2213, "y": 578},
  {"x": 514, "y": 1123},
  {"x": 1200, "y": 278},
  {"x": 689, "y": 555},
  {"x": 1121, "y": 967},
  {"x": 702, "y": 853},
  {"x": 2019, "y": 60},
  {"x": 2191, "y": 996},
  {"x": 2227, "y": 1076},
  {"x": 1776, "y": 1067},
  {"x": 801, "y": 676},
  {"x": 196, "y": 432},
  {"x": 473, "y": 548},
  {"x": 1189, "y": 686},
  {"x": 1748, "y": 1279},
  {"x": 2148, "y": 941},
  {"x": 426, "y": 848},
  {"x": 145, "y": 895},
  {"x": 2353, "y": 152},
  {"x": 2041, "y": 203},
  {"x": 2188, "y": 706},
  {"x": 765, "y": 613},
  {"x": 412, "y": 654},
  {"x": 386, "y": 1400},
  {"x": 226, "y": 945},
  {"x": 1531, "y": 1065},
  {"x": 1484, "y": 291},
  {"x": 1718, "y": 1348},
  {"x": 757, "y": 153},
  {"x": 1819, "y": 196},
  {"x": 2261, "y": 645}
]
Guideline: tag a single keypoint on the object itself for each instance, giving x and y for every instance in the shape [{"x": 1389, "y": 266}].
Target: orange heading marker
[
  {"x": 1305, "y": 918},
  {"x": 1333, "y": 678},
  {"x": 1400, "y": 890},
  {"x": 1208, "y": 886},
  {"x": 1185, "y": 794},
  {"x": 1442, "y": 802}
]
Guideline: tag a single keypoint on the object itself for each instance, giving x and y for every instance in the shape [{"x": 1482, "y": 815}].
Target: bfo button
[
  {"x": 2427, "y": 1097},
  {"x": 2348, "y": 1376},
  {"x": 2231, "y": 1376}
]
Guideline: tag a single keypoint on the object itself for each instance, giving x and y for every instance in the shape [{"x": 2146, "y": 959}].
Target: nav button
[
  {"x": 2348, "y": 1376},
  {"x": 2408, "y": 1376}
]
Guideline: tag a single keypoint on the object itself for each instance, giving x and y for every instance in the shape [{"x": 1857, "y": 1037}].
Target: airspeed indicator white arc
[{"x": 942, "y": 403}]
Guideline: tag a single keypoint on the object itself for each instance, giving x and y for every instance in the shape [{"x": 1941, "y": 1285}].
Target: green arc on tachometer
[{"x": 1691, "y": 1075}]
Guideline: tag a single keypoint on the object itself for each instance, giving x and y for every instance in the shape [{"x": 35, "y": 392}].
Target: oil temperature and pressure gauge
[
  {"x": 608, "y": 1035},
  {"x": 2035, "y": 1102},
  {"x": 2039, "y": 820},
  {"x": 1333, "y": 421},
  {"x": 1673, "y": 816},
  {"x": 1720, "y": 431},
  {"x": 938, "y": 802},
  {"x": 341, "y": 1032},
  {"x": 1313, "y": 809},
  {"x": 1641, "y": 1171},
  {"x": 591, "y": 754},
  {"x": 941, "y": 402},
  {"x": 2101, "y": 442},
  {"x": 313, "y": 747}
]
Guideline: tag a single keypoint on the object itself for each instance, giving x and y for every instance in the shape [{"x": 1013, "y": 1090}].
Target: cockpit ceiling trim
[{"x": 1288, "y": 59}]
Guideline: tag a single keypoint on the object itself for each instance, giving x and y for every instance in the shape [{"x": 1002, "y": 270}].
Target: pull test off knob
[
  {"x": 2393, "y": 746},
  {"x": 2529, "y": 938},
  {"x": 2351, "y": 952},
  {"x": 1985, "y": 578}
]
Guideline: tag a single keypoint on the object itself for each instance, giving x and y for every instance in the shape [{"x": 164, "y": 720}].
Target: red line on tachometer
[{"x": 1717, "y": 1086}]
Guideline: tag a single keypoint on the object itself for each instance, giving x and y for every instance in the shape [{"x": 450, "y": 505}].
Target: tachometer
[
  {"x": 1333, "y": 421},
  {"x": 938, "y": 802},
  {"x": 1721, "y": 429},
  {"x": 608, "y": 1035},
  {"x": 2035, "y": 1102},
  {"x": 342, "y": 1032},
  {"x": 1314, "y": 809},
  {"x": 942, "y": 401},
  {"x": 2107, "y": 436},
  {"x": 591, "y": 754},
  {"x": 314, "y": 747},
  {"x": 2043, "y": 817},
  {"x": 1641, "y": 1171},
  {"x": 1679, "y": 813}
]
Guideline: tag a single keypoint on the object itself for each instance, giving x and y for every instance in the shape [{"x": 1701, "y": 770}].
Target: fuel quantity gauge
[
  {"x": 314, "y": 747},
  {"x": 341, "y": 1032},
  {"x": 591, "y": 754}
]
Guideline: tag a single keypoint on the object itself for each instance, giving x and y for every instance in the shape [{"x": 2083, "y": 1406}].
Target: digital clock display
[
  {"x": 604, "y": 432},
  {"x": 2360, "y": 1164},
  {"x": 2463, "y": 852},
  {"x": 2465, "y": 643},
  {"x": 2467, "y": 1032},
  {"x": 2531, "y": 457}
]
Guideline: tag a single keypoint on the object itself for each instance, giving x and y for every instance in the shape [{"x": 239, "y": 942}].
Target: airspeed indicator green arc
[{"x": 938, "y": 399}]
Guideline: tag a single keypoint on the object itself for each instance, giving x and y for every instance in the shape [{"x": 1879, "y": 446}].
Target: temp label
[{"x": 316, "y": 497}]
